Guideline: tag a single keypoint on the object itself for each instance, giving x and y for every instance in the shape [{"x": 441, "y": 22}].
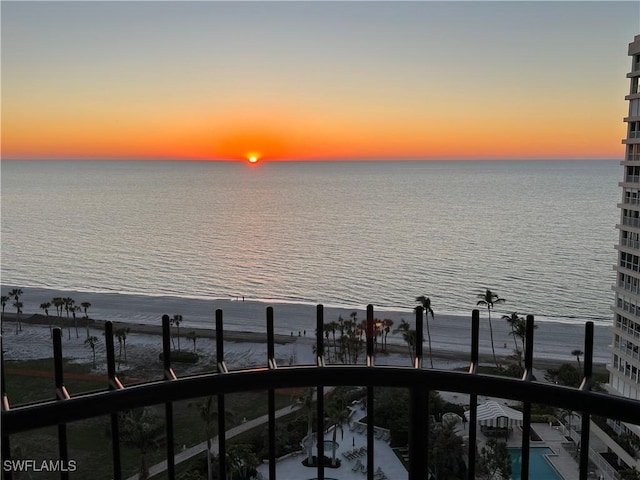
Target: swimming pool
[{"x": 539, "y": 467}]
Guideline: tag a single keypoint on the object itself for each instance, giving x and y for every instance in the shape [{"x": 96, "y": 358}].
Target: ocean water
[{"x": 538, "y": 233}]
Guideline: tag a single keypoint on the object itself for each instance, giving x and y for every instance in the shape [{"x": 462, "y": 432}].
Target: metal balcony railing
[
  {"x": 69, "y": 408},
  {"x": 631, "y": 221}
]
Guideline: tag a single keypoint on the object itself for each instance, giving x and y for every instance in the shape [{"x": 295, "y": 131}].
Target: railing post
[
  {"x": 418, "y": 414},
  {"x": 320, "y": 390},
  {"x": 271, "y": 362},
  {"x": 369, "y": 334},
  {"x": 222, "y": 369},
  {"x": 320, "y": 335},
  {"x": 168, "y": 406},
  {"x": 473, "y": 398},
  {"x": 370, "y": 392},
  {"x": 417, "y": 360},
  {"x": 6, "y": 447},
  {"x": 586, "y": 386},
  {"x": 61, "y": 395},
  {"x": 526, "y": 411},
  {"x": 114, "y": 384}
]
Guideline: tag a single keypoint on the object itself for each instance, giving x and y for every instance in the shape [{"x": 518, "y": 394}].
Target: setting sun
[{"x": 252, "y": 157}]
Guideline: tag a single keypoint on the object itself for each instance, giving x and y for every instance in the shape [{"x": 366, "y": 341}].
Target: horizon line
[{"x": 306, "y": 160}]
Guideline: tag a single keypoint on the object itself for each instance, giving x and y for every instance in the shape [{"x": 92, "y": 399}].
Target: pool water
[{"x": 539, "y": 466}]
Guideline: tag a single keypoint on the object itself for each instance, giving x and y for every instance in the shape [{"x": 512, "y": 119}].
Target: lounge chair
[
  {"x": 357, "y": 466},
  {"x": 379, "y": 474}
]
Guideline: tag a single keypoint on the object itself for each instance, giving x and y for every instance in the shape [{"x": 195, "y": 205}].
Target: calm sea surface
[{"x": 540, "y": 234}]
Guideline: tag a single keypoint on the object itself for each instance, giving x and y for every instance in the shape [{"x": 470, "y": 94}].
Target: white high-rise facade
[{"x": 624, "y": 370}]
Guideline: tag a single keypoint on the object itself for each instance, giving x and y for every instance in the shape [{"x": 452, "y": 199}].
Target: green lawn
[{"x": 89, "y": 441}]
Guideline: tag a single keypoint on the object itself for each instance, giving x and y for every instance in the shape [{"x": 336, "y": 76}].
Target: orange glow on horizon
[{"x": 306, "y": 137}]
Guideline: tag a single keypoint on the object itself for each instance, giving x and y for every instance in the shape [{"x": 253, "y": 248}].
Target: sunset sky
[{"x": 315, "y": 80}]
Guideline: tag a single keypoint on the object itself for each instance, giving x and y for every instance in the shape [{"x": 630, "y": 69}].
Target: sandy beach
[{"x": 245, "y": 336}]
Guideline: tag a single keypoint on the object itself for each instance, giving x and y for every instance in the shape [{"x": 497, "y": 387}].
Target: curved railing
[{"x": 418, "y": 380}]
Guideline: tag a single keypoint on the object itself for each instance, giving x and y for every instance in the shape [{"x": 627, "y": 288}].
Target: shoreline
[{"x": 149, "y": 308}]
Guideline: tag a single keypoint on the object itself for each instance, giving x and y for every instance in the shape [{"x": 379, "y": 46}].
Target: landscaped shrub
[{"x": 326, "y": 463}]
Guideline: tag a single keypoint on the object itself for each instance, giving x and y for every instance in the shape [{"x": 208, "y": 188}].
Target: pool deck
[
  {"x": 353, "y": 437},
  {"x": 391, "y": 468},
  {"x": 565, "y": 463}
]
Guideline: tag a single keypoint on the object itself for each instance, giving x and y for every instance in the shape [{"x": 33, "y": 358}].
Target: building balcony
[
  {"x": 627, "y": 242},
  {"x": 419, "y": 381},
  {"x": 631, "y": 222},
  {"x": 631, "y": 179},
  {"x": 626, "y": 287},
  {"x": 629, "y": 201}
]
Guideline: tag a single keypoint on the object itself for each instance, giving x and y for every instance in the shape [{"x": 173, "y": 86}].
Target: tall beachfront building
[{"x": 624, "y": 370}]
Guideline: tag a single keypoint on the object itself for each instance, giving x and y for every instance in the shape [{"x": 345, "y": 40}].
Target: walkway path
[{"x": 202, "y": 447}]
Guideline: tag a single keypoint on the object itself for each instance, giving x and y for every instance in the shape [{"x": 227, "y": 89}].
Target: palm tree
[
  {"x": 409, "y": 336},
  {"x": 446, "y": 451},
  {"x": 75, "y": 309},
  {"x": 519, "y": 330},
  {"x": 143, "y": 430},
  {"x": 92, "y": 342},
  {"x": 193, "y": 337},
  {"x": 176, "y": 321},
  {"x": 567, "y": 414},
  {"x": 489, "y": 299},
  {"x": 493, "y": 461},
  {"x": 512, "y": 320},
  {"x": 16, "y": 293},
  {"x": 85, "y": 306},
  {"x": 68, "y": 302},
  {"x": 326, "y": 328},
  {"x": 208, "y": 413},
  {"x": 18, "y": 306},
  {"x": 576, "y": 353},
  {"x": 121, "y": 335},
  {"x": 45, "y": 306},
  {"x": 426, "y": 306},
  {"x": 58, "y": 303},
  {"x": 307, "y": 404},
  {"x": 333, "y": 326},
  {"x": 387, "y": 323},
  {"x": 242, "y": 461},
  {"x": 3, "y": 300},
  {"x": 339, "y": 415}
]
